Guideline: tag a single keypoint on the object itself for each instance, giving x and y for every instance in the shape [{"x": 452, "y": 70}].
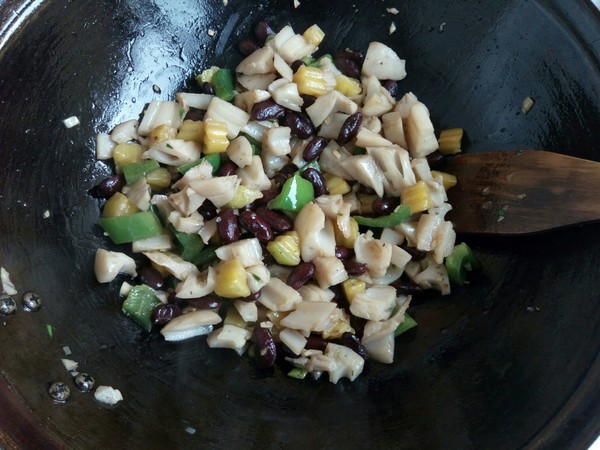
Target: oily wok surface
[{"x": 510, "y": 361}]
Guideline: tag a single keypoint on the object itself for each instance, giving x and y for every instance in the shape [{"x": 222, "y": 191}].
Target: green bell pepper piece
[
  {"x": 190, "y": 245},
  {"x": 222, "y": 81},
  {"x": 401, "y": 214},
  {"x": 134, "y": 172},
  {"x": 123, "y": 229},
  {"x": 139, "y": 304},
  {"x": 254, "y": 143},
  {"x": 295, "y": 193},
  {"x": 213, "y": 159},
  {"x": 298, "y": 373},
  {"x": 460, "y": 261},
  {"x": 406, "y": 325}
]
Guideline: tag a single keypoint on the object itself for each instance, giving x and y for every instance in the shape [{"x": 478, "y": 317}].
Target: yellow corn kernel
[
  {"x": 314, "y": 35},
  {"x": 206, "y": 75},
  {"x": 346, "y": 241},
  {"x": 311, "y": 81},
  {"x": 159, "y": 179},
  {"x": 353, "y": 286},
  {"x": 232, "y": 317},
  {"x": 338, "y": 328},
  {"x": 347, "y": 86},
  {"x": 417, "y": 197},
  {"x": 162, "y": 133},
  {"x": 448, "y": 180},
  {"x": 450, "y": 141},
  {"x": 118, "y": 205},
  {"x": 366, "y": 203},
  {"x": 215, "y": 137},
  {"x": 336, "y": 185},
  {"x": 285, "y": 248},
  {"x": 243, "y": 196},
  {"x": 191, "y": 130},
  {"x": 127, "y": 153},
  {"x": 231, "y": 280}
]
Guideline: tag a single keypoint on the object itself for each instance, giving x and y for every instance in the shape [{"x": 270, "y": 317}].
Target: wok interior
[{"x": 492, "y": 366}]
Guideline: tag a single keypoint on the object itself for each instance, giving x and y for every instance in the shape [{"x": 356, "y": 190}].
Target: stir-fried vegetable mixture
[{"x": 287, "y": 210}]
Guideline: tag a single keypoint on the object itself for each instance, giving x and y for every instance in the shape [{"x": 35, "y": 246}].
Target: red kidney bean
[
  {"x": 358, "y": 323},
  {"x": 314, "y": 148},
  {"x": 352, "y": 341},
  {"x": 256, "y": 225},
  {"x": 279, "y": 222},
  {"x": 315, "y": 342},
  {"x": 343, "y": 252},
  {"x": 296, "y": 65},
  {"x": 252, "y": 297},
  {"x": 149, "y": 276},
  {"x": 436, "y": 160},
  {"x": 267, "y": 110},
  {"x": 164, "y": 313},
  {"x": 194, "y": 113},
  {"x": 228, "y": 226},
  {"x": 384, "y": 206},
  {"x": 247, "y": 46},
  {"x": 265, "y": 350},
  {"x": 108, "y": 187},
  {"x": 392, "y": 87},
  {"x": 406, "y": 287},
  {"x": 347, "y": 67},
  {"x": 417, "y": 255},
  {"x": 207, "y": 302},
  {"x": 268, "y": 195},
  {"x": 284, "y": 173},
  {"x": 208, "y": 210},
  {"x": 300, "y": 275},
  {"x": 227, "y": 168},
  {"x": 353, "y": 55},
  {"x": 207, "y": 88},
  {"x": 262, "y": 30},
  {"x": 314, "y": 176},
  {"x": 300, "y": 124},
  {"x": 350, "y": 128},
  {"x": 354, "y": 267},
  {"x": 283, "y": 351},
  {"x": 308, "y": 101}
]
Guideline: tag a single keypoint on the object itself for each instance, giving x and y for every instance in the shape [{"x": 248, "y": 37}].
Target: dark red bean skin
[
  {"x": 347, "y": 67},
  {"x": 108, "y": 187},
  {"x": 279, "y": 222},
  {"x": 164, "y": 313},
  {"x": 300, "y": 124},
  {"x": 358, "y": 323},
  {"x": 392, "y": 87},
  {"x": 207, "y": 88},
  {"x": 353, "y": 342},
  {"x": 195, "y": 114},
  {"x": 308, "y": 100},
  {"x": 406, "y": 287},
  {"x": 267, "y": 110},
  {"x": 228, "y": 168},
  {"x": 206, "y": 302},
  {"x": 314, "y": 176},
  {"x": 284, "y": 173},
  {"x": 265, "y": 350},
  {"x": 300, "y": 275},
  {"x": 247, "y": 46},
  {"x": 353, "y": 55},
  {"x": 228, "y": 226},
  {"x": 436, "y": 160},
  {"x": 208, "y": 210},
  {"x": 343, "y": 252},
  {"x": 256, "y": 225},
  {"x": 314, "y": 149},
  {"x": 384, "y": 206},
  {"x": 268, "y": 195},
  {"x": 350, "y": 128},
  {"x": 262, "y": 30},
  {"x": 353, "y": 267},
  {"x": 252, "y": 297},
  {"x": 296, "y": 65},
  {"x": 315, "y": 342},
  {"x": 149, "y": 276}
]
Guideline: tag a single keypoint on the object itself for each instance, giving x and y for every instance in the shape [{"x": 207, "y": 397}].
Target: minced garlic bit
[
  {"x": 108, "y": 395},
  {"x": 225, "y": 2},
  {"x": 393, "y": 11},
  {"x": 71, "y": 122},
  {"x": 66, "y": 350},
  {"x": 441, "y": 27},
  {"x": 211, "y": 32},
  {"x": 69, "y": 364},
  {"x": 156, "y": 88},
  {"x": 527, "y": 104},
  {"x": 46, "y": 214},
  {"x": 7, "y": 286},
  {"x": 296, "y": 3},
  {"x": 190, "y": 430},
  {"x": 392, "y": 28}
]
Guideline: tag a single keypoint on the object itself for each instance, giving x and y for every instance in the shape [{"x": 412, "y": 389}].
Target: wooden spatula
[{"x": 522, "y": 192}]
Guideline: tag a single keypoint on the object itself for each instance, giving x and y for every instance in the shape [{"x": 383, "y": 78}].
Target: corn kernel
[
  {"x": 336, "y": 185},
  {"x": 215, "y": 137},
  {"x": 162, "y": 133},
  {"x": 450, "y": 141},
  {"x": 159, "y": 179},
  {"x": 127, "y": 153},
  {"x": 417, "y": 197},
  {"x": 311, "y": 81},
  {"x": 118, "y": 205},
  {"x": 346, "y": 241},
  {"x": 347, "y": 86},
  {"x": 353, "y": 286},
  {"x": 286, "y": 249},
  {"x": 243, "y": 197},
  {"x": 338, "y": 328},
  {"x": 314, "y": 35},
  {"x": 231, "y": 280},
  {"x": 206, "y": 75},
  {"x": 448, "y": 180},
  {"x": 191, "y": 130}
]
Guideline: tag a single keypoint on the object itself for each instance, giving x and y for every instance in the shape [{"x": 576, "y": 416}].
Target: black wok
[{"x": 510, "y": 361}]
